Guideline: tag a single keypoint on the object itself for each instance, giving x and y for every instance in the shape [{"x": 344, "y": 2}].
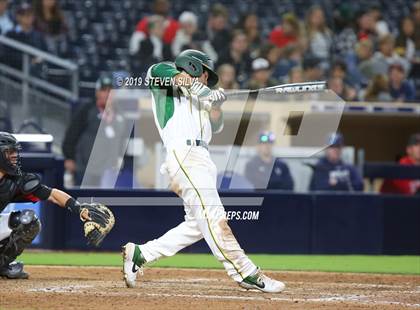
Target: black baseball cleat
[{"x": 13, "y": 271}]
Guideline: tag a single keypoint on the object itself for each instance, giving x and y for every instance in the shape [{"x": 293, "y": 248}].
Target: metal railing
[{"x": 28, "y": 79}]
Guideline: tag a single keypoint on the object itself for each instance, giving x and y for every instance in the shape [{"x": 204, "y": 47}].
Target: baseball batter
[{"x": 187, "y": 112}]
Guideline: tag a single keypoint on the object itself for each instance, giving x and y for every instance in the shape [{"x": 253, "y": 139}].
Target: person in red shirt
[
  {"x": 407, "y": 187},
  {"x": 286, "y": 33},
  {"x": 159, "y": 7}
]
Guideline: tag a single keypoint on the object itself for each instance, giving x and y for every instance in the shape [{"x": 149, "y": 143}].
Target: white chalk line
[
  {"x": 348, "y": 298},
  {"x": 61, "y": 289},
  {"x": 360, "y": 299}
]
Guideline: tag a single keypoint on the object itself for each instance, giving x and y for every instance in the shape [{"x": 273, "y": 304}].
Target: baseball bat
[{"x": 290, "y": 88}]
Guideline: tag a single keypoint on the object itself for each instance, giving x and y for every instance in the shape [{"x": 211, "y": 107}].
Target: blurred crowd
[
  {"x": 362, "y": 57},
  {"x": 40, "y": 24},
  {"x": 360, "y": 54}
]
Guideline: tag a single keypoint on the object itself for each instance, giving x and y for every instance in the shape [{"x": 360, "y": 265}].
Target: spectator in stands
[
  {"x": 24, "y": 32},
  {"x": 345, "y": 38},
  {"x": 358, "y": 64},
  {"x": 378, "y": 89},
  {"x": 319, "y": 35},
  {"x": 5, "y": 122},
  {"x": 292, "y": 57},
  {"x": 238, "y": 56},
  {"x": 49, "y": 20},
  {"x": 400, "y": 88},
  {"x": 266, "y": 171},
  {"x": 249, "y": 24},
  {"x": 404, "y": 45},
  {"x": 160, "y": 8},
  {"x": 385, "y": 56},
  {"x": 152, "y": 49},
  {"x": 339, "y": 69},
  {"x": 331, "y": 173},
  {"x": 270, "y": 52},
  {"x": 407, "y": 187},
  {"x": 261, "y": 74},
  {"x": 227, "y": 77},
  {"x": 295, "y": 75},
  {"x": 187, "y": 35},
  {"x": 312, "y": 69},
  {"x": 6, "y": 23},
  {"x": 338, "y": 86},
  {"x": 98, "y": 123},
  {"x": 381, "y": 26},
  {"x": 286, "y": 33},
  {"x": 416, "y": 18},
  {"x": 340, "y": 81},
  {"x": 217, "y": 32},
  {"x": 366, "y": 26}
]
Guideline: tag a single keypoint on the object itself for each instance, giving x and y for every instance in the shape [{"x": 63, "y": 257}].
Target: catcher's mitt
[{"x": 99, "y": 221}]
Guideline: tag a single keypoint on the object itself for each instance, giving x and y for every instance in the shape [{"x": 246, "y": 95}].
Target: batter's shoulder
[{"x": 163, "y": 69}]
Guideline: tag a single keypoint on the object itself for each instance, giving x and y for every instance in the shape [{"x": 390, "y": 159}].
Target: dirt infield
[{"x": 165, "y": 288}]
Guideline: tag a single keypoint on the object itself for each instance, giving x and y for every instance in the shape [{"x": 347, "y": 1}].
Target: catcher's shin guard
[{"x": 25, "y": 226}]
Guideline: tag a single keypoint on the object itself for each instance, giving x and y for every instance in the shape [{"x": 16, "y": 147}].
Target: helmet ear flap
[
  {"x": 191, "y": 65},
  {"x": 195, "y": 68}
]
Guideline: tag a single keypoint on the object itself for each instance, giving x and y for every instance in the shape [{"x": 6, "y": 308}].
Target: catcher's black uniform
[
  {"x": 24, "y": 225},
  {"x": 18, "y": 229},
  {"x": 22, "y": 188}
]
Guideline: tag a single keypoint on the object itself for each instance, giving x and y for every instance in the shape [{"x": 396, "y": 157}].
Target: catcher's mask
[
  {"x": 195, "y": 63},
  {"x": 9, "y": 154}
]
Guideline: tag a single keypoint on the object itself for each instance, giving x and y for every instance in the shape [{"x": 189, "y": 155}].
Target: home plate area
[{"x": 164, "y": 288}]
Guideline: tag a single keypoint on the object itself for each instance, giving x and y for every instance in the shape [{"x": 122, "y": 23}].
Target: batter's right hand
[{"x": 200, "y": 90}]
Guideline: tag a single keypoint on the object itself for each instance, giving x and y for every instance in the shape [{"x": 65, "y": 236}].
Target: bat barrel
[{"x": 291, "y": 88}]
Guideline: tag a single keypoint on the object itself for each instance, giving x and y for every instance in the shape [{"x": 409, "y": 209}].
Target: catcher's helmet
[
  {"x": 194, "y": 63},
  {"x": 8, "y": 144}
]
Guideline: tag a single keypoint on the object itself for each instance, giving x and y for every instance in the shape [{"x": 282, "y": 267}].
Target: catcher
[{"x": 18, "y": 229}]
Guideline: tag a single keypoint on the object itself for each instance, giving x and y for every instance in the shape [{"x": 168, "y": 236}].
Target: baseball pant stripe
[{"x": 205, "y": 213}]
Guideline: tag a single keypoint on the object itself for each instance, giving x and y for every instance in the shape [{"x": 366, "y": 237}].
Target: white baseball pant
[{"x": 193, "y": 177}]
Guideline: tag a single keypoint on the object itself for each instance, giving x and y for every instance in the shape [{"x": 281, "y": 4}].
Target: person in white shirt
[{"x": 6, "y": 23}]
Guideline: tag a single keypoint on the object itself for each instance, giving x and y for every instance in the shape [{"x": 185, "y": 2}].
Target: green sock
[{"x": 138, "y": 258}]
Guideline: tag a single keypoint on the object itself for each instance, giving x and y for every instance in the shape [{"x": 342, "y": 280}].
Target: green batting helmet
[{"x": 194, "y": 63}]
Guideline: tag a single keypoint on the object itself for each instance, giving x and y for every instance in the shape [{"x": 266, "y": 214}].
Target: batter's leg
[
  {"x": 179, "y": 237},
  {"x": 198, "y": 189},
  {"x": 172, "y": 241},
  {"x": 205, "y": 205}
]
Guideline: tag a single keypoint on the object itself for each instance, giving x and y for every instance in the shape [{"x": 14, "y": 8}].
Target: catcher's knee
[{"x": 24, "y": 225}]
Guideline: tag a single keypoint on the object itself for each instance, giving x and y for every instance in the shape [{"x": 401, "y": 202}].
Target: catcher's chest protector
[{"x": 8, "y": 190}]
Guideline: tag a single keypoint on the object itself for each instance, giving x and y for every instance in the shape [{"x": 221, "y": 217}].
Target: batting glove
[
  {"x": 200, "y": 90},
  {"x": 218, "y": 97}
]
